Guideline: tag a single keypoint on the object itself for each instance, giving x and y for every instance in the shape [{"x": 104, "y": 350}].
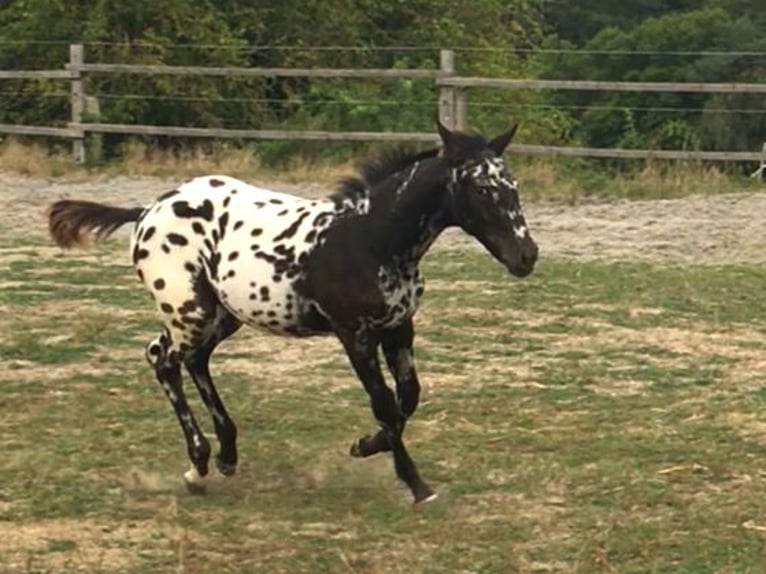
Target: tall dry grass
[
  {"x": 541, "y": 178},
  {"x": 137, "y": 159},
  {"x": 140, "y": 160},
  {"x": 678, "y": 179},
  {"x": 550, "y": 179},
  {"x": 34, "y": 160}
]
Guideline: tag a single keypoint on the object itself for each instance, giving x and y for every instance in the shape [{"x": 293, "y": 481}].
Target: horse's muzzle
[{"x": 526, "y": 262}]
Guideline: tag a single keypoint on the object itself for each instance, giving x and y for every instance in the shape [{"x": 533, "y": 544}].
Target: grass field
[{"x": 595, "y": 417}]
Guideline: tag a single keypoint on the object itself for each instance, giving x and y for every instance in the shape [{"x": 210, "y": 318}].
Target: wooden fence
[{"x": 452, "y": 103}]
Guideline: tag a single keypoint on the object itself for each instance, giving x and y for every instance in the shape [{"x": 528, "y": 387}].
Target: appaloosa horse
[{"x": 217, "y": 253}]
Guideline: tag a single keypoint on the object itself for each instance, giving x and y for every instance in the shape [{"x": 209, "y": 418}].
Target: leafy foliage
[
  {"x": 668, "y": 48},
  {"x": 648, "y": 40}
]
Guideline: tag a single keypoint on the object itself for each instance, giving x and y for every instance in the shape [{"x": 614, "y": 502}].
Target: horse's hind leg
[
  {"x": 198, "y": 366},
  {"x": 166, "y": 361},
  {"x": 191, "y": 312}
]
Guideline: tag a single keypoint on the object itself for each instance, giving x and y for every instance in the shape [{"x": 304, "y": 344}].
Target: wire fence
[
  {"x": 213, "y": 100},
  {"x": 105, "y": 96},
  {"x": 402, "y": 48}
]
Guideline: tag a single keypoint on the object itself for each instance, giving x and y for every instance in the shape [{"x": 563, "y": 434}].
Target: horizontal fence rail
[
  {"x": 421, "y": 137},
  {"x": 257, "y": 72},
  {"x": 69, "y": 132},
  {"x": 452, "y": 106},
  {"x": 177, "y": 131},
  {"x": 617, "y": 153},
  {"x": 513, "y": 84},
  {"x": 35, "y": 74}
]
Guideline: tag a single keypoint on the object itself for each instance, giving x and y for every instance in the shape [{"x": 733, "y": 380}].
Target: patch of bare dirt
[
  {"x": 83, "y": 545},
  {"x": 703, "y": 229}
]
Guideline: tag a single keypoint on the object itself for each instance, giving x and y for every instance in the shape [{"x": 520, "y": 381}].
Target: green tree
[
  {"x": 263, "y": 33},
  {"x": 667, "y": 49}
]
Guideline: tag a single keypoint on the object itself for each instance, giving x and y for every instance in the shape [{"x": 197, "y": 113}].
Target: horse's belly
[
  {"x": 263, "y": 303},
  {"x": 258, "y": 302}
]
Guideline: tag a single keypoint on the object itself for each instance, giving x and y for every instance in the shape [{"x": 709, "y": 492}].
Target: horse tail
[{"x": 71, "y": 221}]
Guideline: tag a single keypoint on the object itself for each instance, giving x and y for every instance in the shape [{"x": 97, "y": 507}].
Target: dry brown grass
[
  {"x": 542, "y": 177},
  {"x": 676, "y": 179},
  {"x": 140, "y": 160},
  {"x": 65, "y": 545},
  {"x": 33, "y": 160}
]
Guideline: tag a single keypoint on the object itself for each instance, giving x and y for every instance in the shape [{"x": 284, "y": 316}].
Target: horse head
[{"x": 484, "y": 197}]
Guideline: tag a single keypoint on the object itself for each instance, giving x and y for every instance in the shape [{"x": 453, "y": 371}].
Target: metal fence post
[{"x": 77, "y": 98}]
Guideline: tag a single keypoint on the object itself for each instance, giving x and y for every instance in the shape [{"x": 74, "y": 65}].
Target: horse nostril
[{"x": 528, "y": 258}]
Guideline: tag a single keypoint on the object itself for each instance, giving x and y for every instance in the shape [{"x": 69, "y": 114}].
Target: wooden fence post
[
  {"x": 77, "y": 98},
  {"x": 760, "y": 173},
  {"x": 763, "y": 161},
  {"x": 461, "y": 121},
  {"x": 447, "y": 114}
]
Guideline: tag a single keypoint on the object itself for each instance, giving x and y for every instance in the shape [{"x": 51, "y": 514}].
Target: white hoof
[
  {"x": 431, "y": 498},
  {"x": 194, "y": 482}
]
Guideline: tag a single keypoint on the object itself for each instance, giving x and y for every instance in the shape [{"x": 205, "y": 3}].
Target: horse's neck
[
  {"x": 411, "y": 218},
  {"x": 428, "y": 231}
]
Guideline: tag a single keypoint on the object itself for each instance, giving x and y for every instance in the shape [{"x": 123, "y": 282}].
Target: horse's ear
[
  {"x": 449, "y": 149},
  {"x": 444, "y": 133},
  {"x": 501, "y": 142}
]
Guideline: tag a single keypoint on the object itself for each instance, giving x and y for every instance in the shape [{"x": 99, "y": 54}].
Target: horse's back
[
  {"x": 209, "y": 207},
  {"x": 226, "y": 193}
]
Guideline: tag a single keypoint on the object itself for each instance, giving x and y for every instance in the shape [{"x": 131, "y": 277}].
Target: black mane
[
  {"x": 391, "y": 162},
  {"x": 394, "y": 160},
  {"x": 373, "y": 172}
]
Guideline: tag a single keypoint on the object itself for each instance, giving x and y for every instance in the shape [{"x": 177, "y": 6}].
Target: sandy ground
[{"x": 719, "y": 229}]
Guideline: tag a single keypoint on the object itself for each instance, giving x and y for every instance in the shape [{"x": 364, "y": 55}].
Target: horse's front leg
[
  {"x": 397, "y": 346},
  {"x": 361, "y": 345}
]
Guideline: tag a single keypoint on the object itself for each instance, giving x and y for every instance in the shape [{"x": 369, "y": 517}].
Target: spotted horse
[{"x": 217, "y": 253}]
